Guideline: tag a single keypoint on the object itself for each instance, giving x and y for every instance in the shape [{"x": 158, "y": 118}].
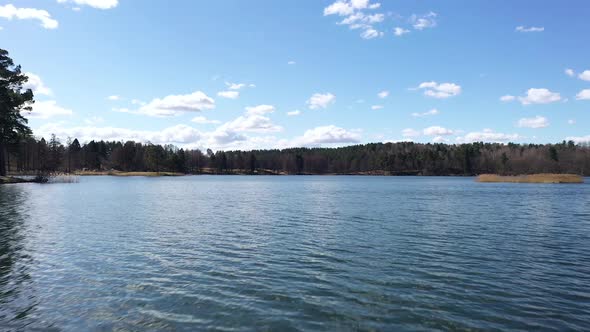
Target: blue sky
[{"x": 273, "y": 74}]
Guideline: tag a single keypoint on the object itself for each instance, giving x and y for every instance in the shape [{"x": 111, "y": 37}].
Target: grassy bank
[
  {"x": 533, "y": 178},
  {"x": 11, "y": 179}
]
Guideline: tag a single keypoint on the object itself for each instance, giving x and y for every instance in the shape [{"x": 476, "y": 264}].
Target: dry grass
[{"x": 533, "y": 178}]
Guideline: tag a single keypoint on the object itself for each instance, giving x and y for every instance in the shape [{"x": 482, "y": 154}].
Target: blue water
[{"x": 333, "y": 253}]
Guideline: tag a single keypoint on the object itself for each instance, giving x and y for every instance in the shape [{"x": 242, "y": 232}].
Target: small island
[{"x": 532, "y": 178}]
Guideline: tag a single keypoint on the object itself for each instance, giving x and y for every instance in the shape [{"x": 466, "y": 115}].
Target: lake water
[{"x": 294, "y": 253}]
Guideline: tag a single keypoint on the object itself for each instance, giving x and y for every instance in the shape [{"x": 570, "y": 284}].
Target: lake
[{"x": 287, "y": 253}]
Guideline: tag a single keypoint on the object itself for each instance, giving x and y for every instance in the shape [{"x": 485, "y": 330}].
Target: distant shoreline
[{"x": 483, "y": 178}]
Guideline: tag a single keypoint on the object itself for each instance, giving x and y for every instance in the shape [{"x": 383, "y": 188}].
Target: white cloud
[
  {"x": 539, "y": 96},
  {"x": 421, "y": 22},
  {"x": 291, "y": 62},
  {"x": 409, "y": 132},
  {"x": 507, "y": 98},
  {"x": 294, "y": 113},
  {"x": 36, "y": 84},
  {"x": 137, "y": 102},
  {"x": 583, "y": 95},
  {"x": 571, "y": 122},
  {"x": 99, "y": 4},
  {"x": 529, "y": 29},
  {"x": 437, "y": 131},
  {"x": 238, "y": 86},
  {"x": 326, "y": 135},
  {"x": 260, "y": 109},
  {"x": 232, "y": 94},
  {"x": 176, "y": 104},
  {"x": 585, "y": 75},
  {"x": 356, "y": 18},
  {"x": 179, "y": 134},
  {"x": 341, "y": 8},
  {"x": 114, "y": 97},
  {"x": 383, "y": 94},
  {"x": 47, "y": 109},
  {"x": 536, "y": 122},
  {"x": 344, "y": 8},
  {"x": 440, "y": 91},
  {"x": 569, "y": 72},
  {"x": 203, "y": 120},
  {"x": 487, "y": 135},
  {"x": 11, "y": 12},
  {"x": 377, "y": 107},
  {"x": 230, "y": 136},
  {"x": 250, "y": 123},
  {"x": 439, "y": 139},
  {"x": 579, "y": 139},
  {"x": 235, "y": 86},
  {"x": 320, "y": 100},
  {"x": 371, "y": 33},
  {"x": 398, "y": 31},
  {"x": 433, "y": 111}
]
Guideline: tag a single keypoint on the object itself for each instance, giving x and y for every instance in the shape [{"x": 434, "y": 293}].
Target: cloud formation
[
  {"x": 47, "y": 109},
  {"x": 421, "y": 22},
  {"x": 231, "y": 94},
  {"x": 356, "y": 17},
  {"x": 437, "y": 131},
  {"x": 260, "y": 109},
  {"x": 98, "y": 4},
  {"x": 539, "y": 96},
  {"x": 320, "y": 100},
  {"x": 326, "y": 135},
  {"x": 583, "y": 95},
  {"x": 585, "y": 75},
  {"x": 36, "y": 84},
  {"x": 176, "y": 104},
  {"x": 487, "y": 135},
  {"x": 203, "y": 120},
  {"x": 433, "y": 111},
  {"x": 521, "y": 28},
  {"x": 507, "y": 98},
  {"x": 383, "y": 94},
  {"x": 440, "y": 91},
  {"x": 10, "y": 12},
  {"x": 536, "y": 122}
]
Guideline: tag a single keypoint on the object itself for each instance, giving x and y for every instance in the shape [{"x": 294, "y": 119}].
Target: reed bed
[{"x": 532, "y": 178}]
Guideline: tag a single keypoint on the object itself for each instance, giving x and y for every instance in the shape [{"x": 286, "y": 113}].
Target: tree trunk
[{"x": 2, "y": 159}]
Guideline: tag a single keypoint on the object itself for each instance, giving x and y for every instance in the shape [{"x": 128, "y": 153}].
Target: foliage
[
  {"x": 13, "y": 101},
  {"x": 405, "y": 158}
]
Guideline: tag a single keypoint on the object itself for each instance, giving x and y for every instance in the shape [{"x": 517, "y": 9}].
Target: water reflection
[
  {"x": 17, "y": 292},
  {"x": 293, "y": 253}
]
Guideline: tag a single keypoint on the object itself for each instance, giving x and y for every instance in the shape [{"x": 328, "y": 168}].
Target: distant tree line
[{"x": 30, "y": 155}]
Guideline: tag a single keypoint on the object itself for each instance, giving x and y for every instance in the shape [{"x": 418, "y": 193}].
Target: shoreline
[
  {"x": 531, "y": 178},
  {"x": 481, "y": 178}
]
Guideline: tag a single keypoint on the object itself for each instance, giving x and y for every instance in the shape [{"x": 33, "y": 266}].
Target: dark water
[{"x": 294, "y": 253}]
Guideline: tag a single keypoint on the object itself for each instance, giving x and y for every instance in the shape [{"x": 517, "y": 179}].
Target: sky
[{"x": 237, "y": 74}]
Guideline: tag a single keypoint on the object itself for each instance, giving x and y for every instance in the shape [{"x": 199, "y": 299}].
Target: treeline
[{"x": 32, "y": 156}]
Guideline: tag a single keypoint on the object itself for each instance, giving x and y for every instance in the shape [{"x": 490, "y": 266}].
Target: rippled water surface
[{"x": 294, "y": 253}]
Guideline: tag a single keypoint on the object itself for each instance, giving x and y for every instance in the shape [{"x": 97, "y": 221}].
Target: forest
[{"x": 31, "y": 155}]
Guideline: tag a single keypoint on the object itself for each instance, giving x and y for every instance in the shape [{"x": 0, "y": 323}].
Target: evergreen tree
[{"x": 13, "y": 101}]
